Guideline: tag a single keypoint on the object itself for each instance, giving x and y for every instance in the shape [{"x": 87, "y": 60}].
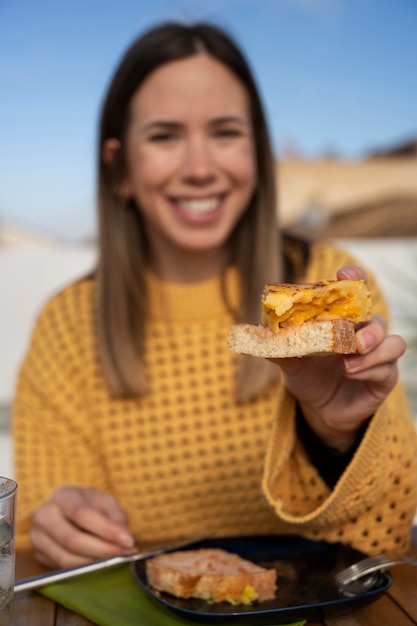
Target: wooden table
[{"x": 398, "y": 607}]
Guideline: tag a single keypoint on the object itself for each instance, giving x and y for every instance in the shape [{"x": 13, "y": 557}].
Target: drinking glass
[{"x": 8, "y": 490}]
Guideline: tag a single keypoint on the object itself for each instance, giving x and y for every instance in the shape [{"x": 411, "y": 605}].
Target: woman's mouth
[{"x": 199, "y": 206}]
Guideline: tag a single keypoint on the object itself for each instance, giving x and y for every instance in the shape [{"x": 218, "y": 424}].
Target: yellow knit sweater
[{"x": 185, "y": 459}]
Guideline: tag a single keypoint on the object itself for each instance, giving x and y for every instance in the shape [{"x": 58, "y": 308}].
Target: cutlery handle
[{"x": 34, "y": 582}]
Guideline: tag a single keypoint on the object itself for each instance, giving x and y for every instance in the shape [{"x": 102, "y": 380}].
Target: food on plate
[
  {"x": 300, "y": 320},
  {"x": 211, "y": 574}
]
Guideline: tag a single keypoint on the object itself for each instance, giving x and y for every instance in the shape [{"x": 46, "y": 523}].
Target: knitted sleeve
[
  {"x": 373, "y": 503},
  {"x": 51, "y": 426}
]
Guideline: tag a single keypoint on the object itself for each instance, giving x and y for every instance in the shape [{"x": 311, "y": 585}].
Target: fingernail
[
  {"x": 364, "y": 340},
  {"x": 344, "y": 275},
  {"x": 351, "y": 363},
  {"x": 126, "y": 540}
]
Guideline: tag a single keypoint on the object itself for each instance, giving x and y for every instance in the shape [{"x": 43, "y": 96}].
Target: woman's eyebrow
[
  {"x": 234, "y": 119},
  {"x": 160, "y": 124}
]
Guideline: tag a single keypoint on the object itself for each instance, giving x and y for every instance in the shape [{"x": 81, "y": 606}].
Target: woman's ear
[{"x": 109, "y": 150}]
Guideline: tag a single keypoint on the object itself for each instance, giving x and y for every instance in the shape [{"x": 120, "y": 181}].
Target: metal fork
[{"x": 369, "y": 565}]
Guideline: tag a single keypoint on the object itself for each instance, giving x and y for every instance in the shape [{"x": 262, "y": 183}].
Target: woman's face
[{"x": 191, "y": 164}]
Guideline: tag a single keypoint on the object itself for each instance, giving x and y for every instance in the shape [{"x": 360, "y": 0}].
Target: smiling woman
[{"x": 138, "y": 423}]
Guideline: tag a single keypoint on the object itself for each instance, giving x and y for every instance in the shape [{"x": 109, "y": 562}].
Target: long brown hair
[{"x": 254, "y": 245}]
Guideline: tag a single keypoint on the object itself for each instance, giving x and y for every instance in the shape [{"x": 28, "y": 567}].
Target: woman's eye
[
  {"x": 228, "y": 132},
  {"x": 162, "y": 137}
]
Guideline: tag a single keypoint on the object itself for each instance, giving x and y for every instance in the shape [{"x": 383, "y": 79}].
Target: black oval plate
[{"x": 306, "y": 587}]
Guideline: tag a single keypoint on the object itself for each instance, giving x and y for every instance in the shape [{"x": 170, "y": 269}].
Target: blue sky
[{"x": 335, "y": 75}]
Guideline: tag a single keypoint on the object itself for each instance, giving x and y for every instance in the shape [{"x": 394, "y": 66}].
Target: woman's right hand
[{"x": 77, "y": 525}]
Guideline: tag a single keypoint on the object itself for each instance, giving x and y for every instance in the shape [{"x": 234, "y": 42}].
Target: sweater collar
[{"x": 188, "y": 301}]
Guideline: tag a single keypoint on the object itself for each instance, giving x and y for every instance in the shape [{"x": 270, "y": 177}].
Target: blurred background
[{"x": 339, "y": 83}]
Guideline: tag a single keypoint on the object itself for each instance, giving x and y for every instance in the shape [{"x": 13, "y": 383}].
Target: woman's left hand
[{"x": 338, "y": 394}]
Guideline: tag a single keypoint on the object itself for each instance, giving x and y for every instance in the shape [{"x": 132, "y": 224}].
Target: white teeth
[{"x": 199, "y": 206}]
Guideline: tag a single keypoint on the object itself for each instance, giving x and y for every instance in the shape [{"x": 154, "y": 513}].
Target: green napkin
[{"x": 114, "y": 598}]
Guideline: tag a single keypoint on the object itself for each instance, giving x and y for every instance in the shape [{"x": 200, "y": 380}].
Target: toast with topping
[
  {"x": 303, "y": 320},
  {"x": 211, "y": 574}
]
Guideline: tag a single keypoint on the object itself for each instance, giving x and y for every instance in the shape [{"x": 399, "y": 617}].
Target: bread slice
[
  {"x": 312, "y": 337},
  {"x": 211, "y": 574}
]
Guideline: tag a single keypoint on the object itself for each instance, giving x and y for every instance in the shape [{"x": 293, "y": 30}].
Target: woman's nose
[{"x": 198, "y": 163}]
